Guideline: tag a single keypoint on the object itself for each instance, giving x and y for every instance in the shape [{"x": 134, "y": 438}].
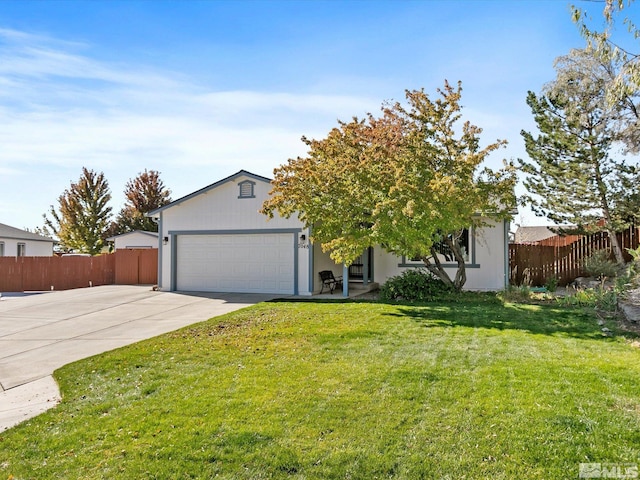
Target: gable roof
[
  {"x": 7, "y": 231},
  {"x": 230, "y": 178},
  {"x": 143, "y": 232},
  {"x": 537, "y": 234}
]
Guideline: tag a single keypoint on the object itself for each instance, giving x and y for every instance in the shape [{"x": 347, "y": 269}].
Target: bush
[
  {"x": 598, "y": 298},
  {"x": 516, "y": 294},
  {"x": 633, "y": 269},
  {"x": 415, "y": 285},
  {"x": 600, "y": 265},
  {"x": 552, "y": 284}
]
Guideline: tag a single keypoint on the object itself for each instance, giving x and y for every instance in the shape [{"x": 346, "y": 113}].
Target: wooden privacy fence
[
  {"x": 535, "y": 264},
  {"x": 136, "y": 266},
  {"x": 124, "y": 267}
]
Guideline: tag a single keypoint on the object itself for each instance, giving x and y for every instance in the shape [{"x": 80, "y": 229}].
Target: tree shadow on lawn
[
  {"x": 536, "y": 319},
  {"x": 489, "y": 312}
]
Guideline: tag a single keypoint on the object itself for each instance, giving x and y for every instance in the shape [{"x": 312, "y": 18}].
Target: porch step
[{"x": 359, "y": 287}]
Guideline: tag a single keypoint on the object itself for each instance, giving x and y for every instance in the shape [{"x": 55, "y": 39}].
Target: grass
[{"x": 471, "y": 389}]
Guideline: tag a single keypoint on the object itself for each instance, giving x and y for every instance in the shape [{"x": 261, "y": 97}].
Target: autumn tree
[
  {"x": 143, "y": 194},
  {"x": 576, "y": 175},
  {"x": 410, "y": 181},
  {"x": 83, "y": 214}
]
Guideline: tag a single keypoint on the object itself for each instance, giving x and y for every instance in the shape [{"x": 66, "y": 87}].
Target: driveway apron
[{"x": 42, "y": 332}]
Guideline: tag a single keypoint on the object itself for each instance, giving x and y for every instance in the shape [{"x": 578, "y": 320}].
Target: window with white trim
[
  {"x": 22, "y": 250},
  {"x": 1, "y": 249}
]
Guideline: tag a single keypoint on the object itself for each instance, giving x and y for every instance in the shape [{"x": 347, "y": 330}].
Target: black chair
[{"x": 329, "y": 281}]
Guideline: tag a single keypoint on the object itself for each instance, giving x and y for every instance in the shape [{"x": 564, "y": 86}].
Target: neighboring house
[
  {"x": 544, "y": 236},
  {"x": 135, "y": 239},
  {"x": 216, "y": 240},
  {"x": 20, "y": 243}
]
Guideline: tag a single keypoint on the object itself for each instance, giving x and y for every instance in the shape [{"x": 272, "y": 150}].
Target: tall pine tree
[{"x": 574, "y": 176}]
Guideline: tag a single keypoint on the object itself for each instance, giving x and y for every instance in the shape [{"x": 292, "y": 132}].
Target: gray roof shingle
[{"x": 7, "y": 231}]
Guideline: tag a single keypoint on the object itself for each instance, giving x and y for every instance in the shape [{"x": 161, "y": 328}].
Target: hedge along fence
[
  {"x": 536, "y": 264},
  {"x": 124, "y": 267}
]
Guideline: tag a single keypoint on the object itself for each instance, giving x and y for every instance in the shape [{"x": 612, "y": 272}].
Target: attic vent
[{"x": 246, "y": 189}]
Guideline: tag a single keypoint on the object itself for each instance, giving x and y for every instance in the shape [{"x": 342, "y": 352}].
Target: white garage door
[{"x": 251, "y": 263}]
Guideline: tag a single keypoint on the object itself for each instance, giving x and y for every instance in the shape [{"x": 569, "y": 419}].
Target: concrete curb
[{"x": 27, "y": 401}]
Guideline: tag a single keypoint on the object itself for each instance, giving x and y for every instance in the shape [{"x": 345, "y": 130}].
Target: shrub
[
  {"x": 415, "y": 285},
  {"x": 516, "y": 294},
  {"x": 600, "y": 265},
  {"x": 634, "y": 265},
  {"x": 598, "y": 298},
  {"x": 552, "y": 284}
]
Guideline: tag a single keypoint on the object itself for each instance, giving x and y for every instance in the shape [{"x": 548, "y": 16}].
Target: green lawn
[{"x": 471, "y": 389}]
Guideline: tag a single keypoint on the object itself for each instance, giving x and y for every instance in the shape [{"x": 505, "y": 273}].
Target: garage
[
  {"x": 217, "y": 239},
  {"x": 240, "y": 262}
]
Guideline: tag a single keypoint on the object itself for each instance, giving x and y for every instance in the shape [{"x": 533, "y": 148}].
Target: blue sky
[{"x": 201, "y": 89}]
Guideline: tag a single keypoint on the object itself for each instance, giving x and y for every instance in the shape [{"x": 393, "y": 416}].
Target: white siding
[
  {"x": 220, "y": 209},
  {"x": 33, "y": 248},
  {"x": 135, "y": 240},
  {"x": 489, "y": 275}
]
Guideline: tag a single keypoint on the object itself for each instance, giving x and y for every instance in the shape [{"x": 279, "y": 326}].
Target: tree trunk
[
  {"x": 461, "y": 273},
  {"x": 438, "y": 270},
  {"x": 606, "y": 211},
  {"x": 615, "y": 246}
]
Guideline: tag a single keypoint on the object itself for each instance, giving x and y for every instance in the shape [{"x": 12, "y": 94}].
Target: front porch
[
  {"x": 354, "y": 290},
  {"x": 359, "y": 276}
]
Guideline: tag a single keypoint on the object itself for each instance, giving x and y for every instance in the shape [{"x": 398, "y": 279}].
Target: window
[
  {"x": 467, "y": 242},
  {"x": 443, "y": 249},
  {"x": 22, "y": 250},
  {"x": 246, "y": 189},
  {"x": 1, "y": 249}
]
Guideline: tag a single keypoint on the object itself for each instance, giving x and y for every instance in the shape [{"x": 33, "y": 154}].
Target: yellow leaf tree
[{"x": 410, "y": 180}]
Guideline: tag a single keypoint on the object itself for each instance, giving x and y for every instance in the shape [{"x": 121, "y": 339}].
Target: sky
[{"x": 198, "y": 90}]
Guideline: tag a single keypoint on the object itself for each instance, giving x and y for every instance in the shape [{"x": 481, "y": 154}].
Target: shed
[{"x": 135, "y": 239}]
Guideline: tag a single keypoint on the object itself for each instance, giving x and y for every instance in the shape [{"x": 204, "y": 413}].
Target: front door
[{"x": 356, "y": 270}]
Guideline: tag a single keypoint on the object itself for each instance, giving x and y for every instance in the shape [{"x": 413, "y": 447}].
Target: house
[
  {"x": 216, "y": 240},
  {"x": 135, "y": 239},
  {"x": 20, "y": 243},
  {"x": 542, "y": 235}
]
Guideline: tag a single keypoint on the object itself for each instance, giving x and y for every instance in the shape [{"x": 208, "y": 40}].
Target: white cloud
[
  {"x": 61, "y": 110},
  {"x": 7, "y": 171}
]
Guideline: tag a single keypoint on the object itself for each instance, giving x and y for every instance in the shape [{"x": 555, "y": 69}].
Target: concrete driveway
[{"x": 42, "y": 332}]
